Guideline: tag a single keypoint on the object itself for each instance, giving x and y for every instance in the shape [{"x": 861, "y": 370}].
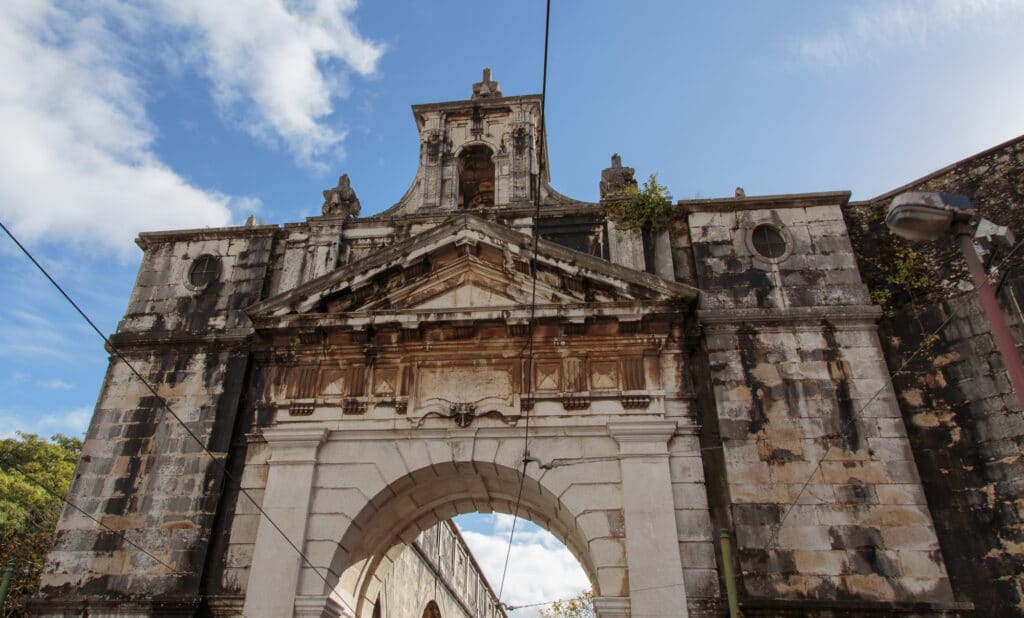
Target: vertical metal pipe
[
  {"x": 5, "y": 585},
  {"x": 993, "y": 312},
  {"x": 730, "y": 575}
]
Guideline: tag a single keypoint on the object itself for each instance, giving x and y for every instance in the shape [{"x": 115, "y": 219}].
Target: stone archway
[
  {"x": 416, "y": 502},
  {"x": 355, "y": 497}
]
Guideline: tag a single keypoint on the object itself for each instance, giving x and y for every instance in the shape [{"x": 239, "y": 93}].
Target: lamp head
[{"x": 918, "y": 215}]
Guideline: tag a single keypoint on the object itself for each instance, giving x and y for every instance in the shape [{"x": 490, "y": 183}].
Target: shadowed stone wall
[{"x": 965, "y": 425}]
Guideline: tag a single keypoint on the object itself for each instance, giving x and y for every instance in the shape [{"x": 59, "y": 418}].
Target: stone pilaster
[
  {"x": 275, "y": 563},
  {"x": 655, "y": 569}
]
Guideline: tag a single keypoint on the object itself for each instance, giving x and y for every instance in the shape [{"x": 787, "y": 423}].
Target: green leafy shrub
[{"x": 649, "y": 208}]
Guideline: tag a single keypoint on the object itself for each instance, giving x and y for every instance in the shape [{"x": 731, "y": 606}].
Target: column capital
[
  {"x": 293, "y": 445},
  {"x": 320, "y": 606},
  {"x": 611, "y": 607},
  {"x": 643, "y": 431}
]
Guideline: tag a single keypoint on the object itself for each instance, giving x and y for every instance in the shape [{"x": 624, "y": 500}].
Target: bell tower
[{"x": 485, "y": 152}]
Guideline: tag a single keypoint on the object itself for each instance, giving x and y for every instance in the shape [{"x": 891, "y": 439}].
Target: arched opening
[
  {"x": 476, "y": 177},
  {"x": 431, "y": 611},
  {"x": 396, "y": 516},
  {"x": 540, "y": 568}
]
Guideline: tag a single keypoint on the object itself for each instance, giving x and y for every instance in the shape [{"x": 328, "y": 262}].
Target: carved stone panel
[
  {"x": 332, "y": 381},
  {"x": 385, "y": 381},
  {"x": 465, "y": 383},
  {"x": 604, "y": 375},
  {"x": 548, "y": 376}
]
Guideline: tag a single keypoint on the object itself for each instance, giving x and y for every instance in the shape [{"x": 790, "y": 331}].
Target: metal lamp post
[{"x": 928, "y": 216}]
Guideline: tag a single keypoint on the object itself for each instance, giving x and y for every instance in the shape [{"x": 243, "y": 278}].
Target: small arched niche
[{"x": 476, "y": 177}]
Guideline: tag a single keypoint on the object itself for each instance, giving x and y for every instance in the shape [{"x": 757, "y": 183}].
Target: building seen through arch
[
  {"x": 366, "y": 379},
  {"x": 436, "y": 576}
]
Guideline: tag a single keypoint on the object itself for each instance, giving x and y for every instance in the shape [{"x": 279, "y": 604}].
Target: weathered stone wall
[
  {"x": 143, "y": 477},
  {"x": 965, "y": 426},
  {"x": 141, "y": 474},
  {"x": 819, "y": 487}
]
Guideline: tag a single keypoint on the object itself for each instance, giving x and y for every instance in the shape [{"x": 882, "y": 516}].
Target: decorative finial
[
  {"x": 616, "y": 181},
  {"x": 341, "y": 200},
  {"x": 486, "y": 88}
]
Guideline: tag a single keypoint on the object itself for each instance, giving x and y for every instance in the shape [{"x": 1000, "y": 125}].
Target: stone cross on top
[{"x": 486, "y": 88}]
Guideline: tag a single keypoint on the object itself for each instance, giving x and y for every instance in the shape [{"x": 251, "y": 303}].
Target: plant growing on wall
[
  {"x": 646, "y": 209},
  {"x": 902, "y": 276}
]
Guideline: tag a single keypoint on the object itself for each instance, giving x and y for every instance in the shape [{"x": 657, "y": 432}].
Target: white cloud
[
  {"x": 71, "y": 422},
  {"x": 77, "y": 147},
  {"x": 55, "y": 384},
  {"x": 277, "y": 66},
  {"x": 79, "y": 163},
  {"x": 920, "y": 24},
  {"x": 24, "y": 335},
  {"x": 540, "y": 568}
]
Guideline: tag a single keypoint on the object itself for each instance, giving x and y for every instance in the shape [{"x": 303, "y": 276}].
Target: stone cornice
[
  {"x": 866, "y": 314},
  {"x": 129, "y": 340},
  {"x": 148, "y": 239},
  {"x": 626, "y": 311},
  {"x": 761, "y": 202},
  {"x": 469, "y": 104}
]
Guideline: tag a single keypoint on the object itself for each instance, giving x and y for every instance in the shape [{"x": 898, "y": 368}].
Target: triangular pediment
[{"x": 469, "y": 265}]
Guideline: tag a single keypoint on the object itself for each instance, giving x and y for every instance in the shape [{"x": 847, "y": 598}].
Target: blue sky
[{"x": 121, "y": 116}]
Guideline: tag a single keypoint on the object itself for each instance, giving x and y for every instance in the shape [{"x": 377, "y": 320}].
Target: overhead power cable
[
  {"x": 166, "y": 407},
  {"x": 538, "y": 183}
]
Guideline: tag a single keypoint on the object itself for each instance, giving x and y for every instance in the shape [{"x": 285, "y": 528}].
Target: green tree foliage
[
  {"x": 649, "y": 208},
  {"x": 33, "y": 472},
  {"x": 580, "y": 606}
]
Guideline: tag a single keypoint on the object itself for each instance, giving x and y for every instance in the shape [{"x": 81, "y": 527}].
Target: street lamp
[{"x": 928, "y": 216}]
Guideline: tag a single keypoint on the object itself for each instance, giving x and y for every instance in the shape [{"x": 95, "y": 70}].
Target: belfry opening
[{"x": 476, "y": 177}]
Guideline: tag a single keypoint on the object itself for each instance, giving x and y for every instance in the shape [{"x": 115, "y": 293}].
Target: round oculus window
[
  {"x": 768, "y": 241},
  {"x": 205, "y": 270}
]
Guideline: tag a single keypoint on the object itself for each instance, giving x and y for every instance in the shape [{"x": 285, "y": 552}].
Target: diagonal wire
[
  {"x": 217, "y": 461},
  {"x": 533, "y": 299}
]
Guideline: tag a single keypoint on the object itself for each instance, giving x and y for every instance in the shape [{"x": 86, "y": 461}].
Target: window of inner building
[
  {"x": 431, "y": 611},
  {"x": 476, "y": 178},
  {"x": 204, "y": 270},
  {"x": 768, "y": 241}
]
